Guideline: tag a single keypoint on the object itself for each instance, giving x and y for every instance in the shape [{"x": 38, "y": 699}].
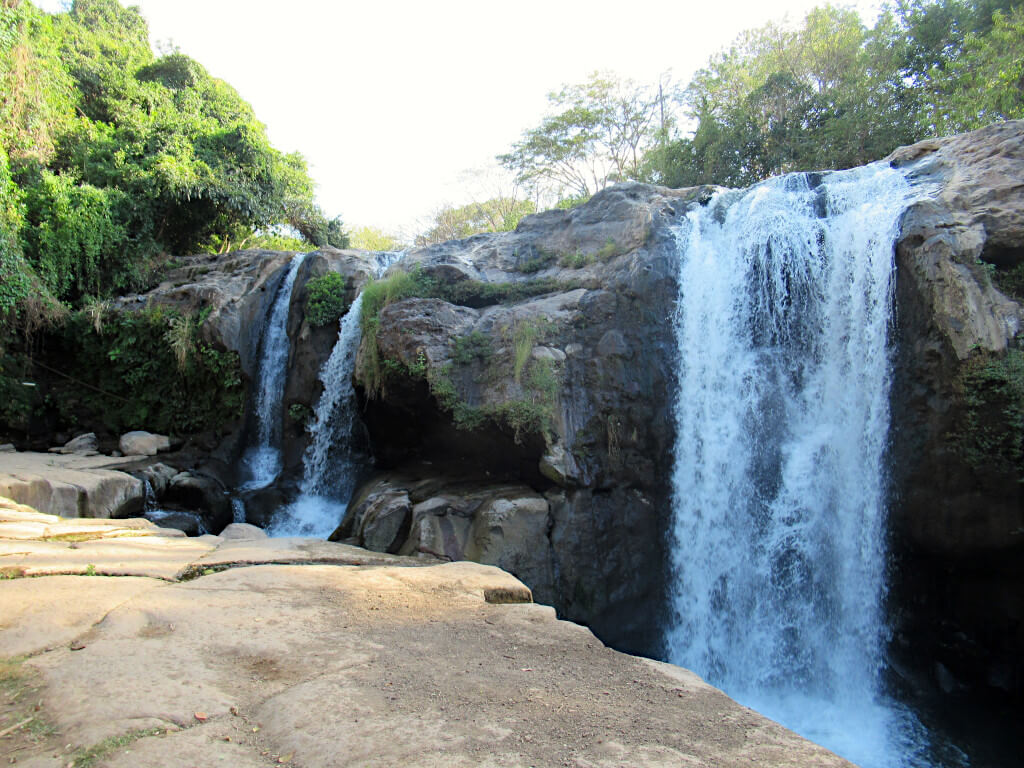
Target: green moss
[{"x": 325, "y": 303}]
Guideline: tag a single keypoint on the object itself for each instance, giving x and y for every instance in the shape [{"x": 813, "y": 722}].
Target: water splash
[
  {"x": 262, "y": 461},
  {"x": 782, "y": 417}
]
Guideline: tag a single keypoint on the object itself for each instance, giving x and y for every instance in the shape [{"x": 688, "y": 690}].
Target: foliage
[
  {"x": 373, "y": 239},
  {"x": 831, "y": 93},
  {"x": 985, "y": 83},
  {"x": 471, "y": 348},
  {"x": 146, "y": 370},
  {"x": 499, "y": 214},
  {"x": 990, "y": 435},
  {"x": 111, "y": 157},
  {"x": 300, "y": 413},
  {"x": 325, "y": 302},
  {"x": 596, "y": 132}
]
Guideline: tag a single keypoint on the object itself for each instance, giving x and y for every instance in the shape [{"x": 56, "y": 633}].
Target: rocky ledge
[{"x": 246, "y": 651}]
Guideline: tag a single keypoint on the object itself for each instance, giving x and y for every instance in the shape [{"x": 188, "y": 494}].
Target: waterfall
[
  {"x": 329, "y": 468},
  {"x": 779, "y": 484},
  {"x": 262, "y": 461}
]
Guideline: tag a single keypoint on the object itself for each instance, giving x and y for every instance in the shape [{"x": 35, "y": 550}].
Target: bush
[
  {"x": 326, "y": 299},
  {"x": 472, "y": 347}
]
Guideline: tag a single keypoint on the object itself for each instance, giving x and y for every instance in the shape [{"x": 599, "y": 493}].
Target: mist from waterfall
[
  {"x": 261, "y": 462},
  {"x": 779, "y": 484}
]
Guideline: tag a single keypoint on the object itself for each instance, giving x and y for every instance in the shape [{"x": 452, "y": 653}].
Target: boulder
[
  {"x": 70, "y": 485},
  {"x": 455, "y": 519},
  {"x": 141, "y": 443},
  {"x": 158, "y": 476},
  {"x": 82, "y": 445},
  {"x": 242, "y": 532}
]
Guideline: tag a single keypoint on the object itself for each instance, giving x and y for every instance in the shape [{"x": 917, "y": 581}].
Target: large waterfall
[
  {"x": 782, "y": 414},
  {"x": 262, "y": 461}
]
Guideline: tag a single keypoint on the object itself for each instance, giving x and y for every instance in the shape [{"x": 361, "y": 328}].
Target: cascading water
[
  {"x": 262, "y": 461},
  {"x": 329, "y": 470},
  {"x": 328, "y": 474},
  {"x": 779, "y": 487}
]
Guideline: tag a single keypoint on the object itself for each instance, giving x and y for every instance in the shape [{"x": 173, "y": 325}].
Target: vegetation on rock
[
  {"x": 990, "y": 434},
  {"x": 326, "y": 303}
]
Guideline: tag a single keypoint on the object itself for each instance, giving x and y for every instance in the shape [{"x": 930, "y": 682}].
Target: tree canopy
[
  {"x": 828, "y": 92},
  {"x": 112, "y": 157}
]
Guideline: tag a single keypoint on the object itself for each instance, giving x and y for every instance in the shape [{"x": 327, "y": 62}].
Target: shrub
[
  {"x": 325, "y": 303},
  {"x": 472, "y": 347}
]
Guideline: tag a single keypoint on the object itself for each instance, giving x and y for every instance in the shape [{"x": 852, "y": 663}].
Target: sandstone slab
[
  {"x": 324, "y": 666},
  {"x": 70, "y": 485},
  {"x": 69, "y": 607}
]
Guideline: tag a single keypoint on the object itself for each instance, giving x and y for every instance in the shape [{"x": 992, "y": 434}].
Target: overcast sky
[{"x": 391, "y": 102}]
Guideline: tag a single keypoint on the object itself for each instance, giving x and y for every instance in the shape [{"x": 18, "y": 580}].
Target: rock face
[
  {"x": 535, "y": 378},
  {"x": 958, "y": 518},
  {"x": 236, "y": 291}
]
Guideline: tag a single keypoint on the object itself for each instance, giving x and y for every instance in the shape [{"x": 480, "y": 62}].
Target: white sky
[{"x": 391, "y": 102}]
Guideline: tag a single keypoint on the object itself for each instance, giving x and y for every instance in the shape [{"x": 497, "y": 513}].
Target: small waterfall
[
  {"x": 329, "y": 469},
  {"x": 262, "y": 461},
  {"x": 779, "y": 487}
]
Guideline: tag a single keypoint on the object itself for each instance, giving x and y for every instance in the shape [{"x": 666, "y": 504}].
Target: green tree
[
  {"x": 499, "y": 214},
  {"x": 598, "y": 132},
  {"x": 374, "y": 239},
  {"x": 985, "y": 83}
]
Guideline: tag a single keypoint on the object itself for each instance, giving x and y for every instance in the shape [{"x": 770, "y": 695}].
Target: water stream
[
  {"x": 779, "y": 484},
  {"x": 261, "y": 462}
]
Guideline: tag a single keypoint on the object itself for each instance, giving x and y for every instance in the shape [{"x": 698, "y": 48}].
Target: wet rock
[{"x": 203, "y": 495}]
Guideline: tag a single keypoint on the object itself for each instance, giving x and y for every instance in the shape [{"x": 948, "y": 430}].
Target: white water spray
[
  {"x": 779, "y": 487},
  {"x": 262, "y": 461}
]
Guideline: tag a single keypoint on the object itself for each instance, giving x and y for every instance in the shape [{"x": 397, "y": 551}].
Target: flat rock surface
[
  {"x": 321, "y": 665},
  {"x": 339, "y": 657},
  {"x": 297, "y": 550}
]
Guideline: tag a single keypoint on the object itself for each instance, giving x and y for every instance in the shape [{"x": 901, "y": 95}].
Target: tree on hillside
[
  {"x": 113, "y": 157},
  {"x": 498, "y": 214},
  {"x": 597, "y": 132},
  {"x": 374, "y": 239}
]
